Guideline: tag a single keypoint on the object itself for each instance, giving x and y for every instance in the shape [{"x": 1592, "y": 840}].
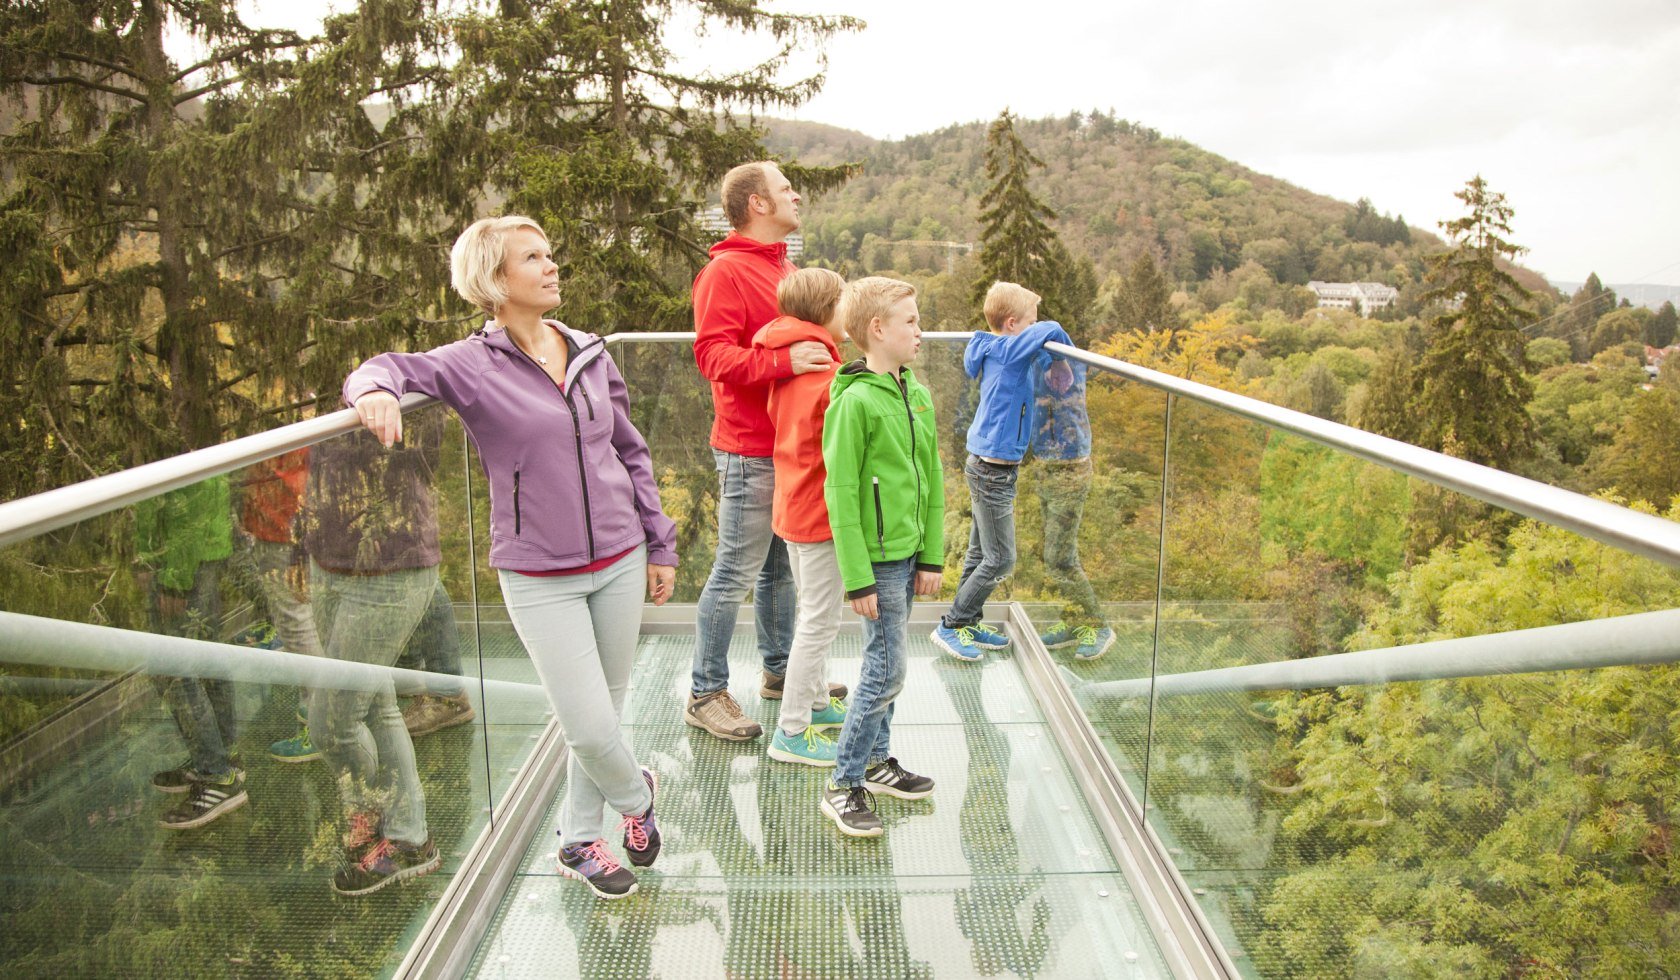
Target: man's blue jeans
[
  {"x": 991, "y": 539},
  {"x": 866, "y": 738},
  {"x": 748, "y": 554}
]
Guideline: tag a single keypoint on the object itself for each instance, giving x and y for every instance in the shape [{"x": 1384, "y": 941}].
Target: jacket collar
[{"x": 581, "y": 347}]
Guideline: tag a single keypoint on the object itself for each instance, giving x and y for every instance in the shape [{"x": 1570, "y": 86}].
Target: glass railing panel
[
  {"x": 181, "y": 632},
  {"x": 1382, "y": 822}
]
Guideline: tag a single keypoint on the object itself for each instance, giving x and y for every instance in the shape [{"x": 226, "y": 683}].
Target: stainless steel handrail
[
  {"x": 27, "y": 517},
  {"x": 1620, "y": 527}
]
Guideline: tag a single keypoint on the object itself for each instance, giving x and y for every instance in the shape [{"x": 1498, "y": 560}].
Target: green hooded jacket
[{"x": 885, "y": 491}]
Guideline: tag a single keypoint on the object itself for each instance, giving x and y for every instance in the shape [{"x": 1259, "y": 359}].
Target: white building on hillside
[
  {"x": 1361, "y": 296},
  {"x": 715, "y": 224}
]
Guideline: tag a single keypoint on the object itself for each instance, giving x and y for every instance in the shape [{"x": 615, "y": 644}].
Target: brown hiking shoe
[
  {"x": 773, "y": 684},
  {"x": 719, "y": 714},
  {"x": 429, "y": 713}
]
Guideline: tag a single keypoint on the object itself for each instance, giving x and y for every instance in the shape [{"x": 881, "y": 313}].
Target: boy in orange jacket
[{"x": 808, "y": 302}]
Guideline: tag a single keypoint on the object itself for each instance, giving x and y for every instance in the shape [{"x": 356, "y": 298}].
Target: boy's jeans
[
  {"x": 203, "y": 708},
  {"x": 865, "y": 739},
  {"x": 991, "y": 539},
  {"x": 746, "y": 548},
  {"x": 1062, "y": 489}
]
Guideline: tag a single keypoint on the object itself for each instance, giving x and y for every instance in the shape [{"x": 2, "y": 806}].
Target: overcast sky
[{"x": 1571, "y": 109}]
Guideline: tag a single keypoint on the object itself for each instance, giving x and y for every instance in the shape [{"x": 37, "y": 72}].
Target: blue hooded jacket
[
  {"x": 1063, "y": 432},
  {"x": 1003, "y": 422}
]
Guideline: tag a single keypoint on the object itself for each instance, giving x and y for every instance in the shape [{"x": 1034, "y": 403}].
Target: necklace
[{"x": 542, "y": 360}]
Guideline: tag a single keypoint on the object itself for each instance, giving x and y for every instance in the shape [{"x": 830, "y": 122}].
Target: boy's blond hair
[
  {"x": 810, "y": 295},
  {"x": 475, "y": 263},
  {"x": 868, "y": 298},
  {"x": 1008, "y": 299},
  {"x": 739, "y": 185}
]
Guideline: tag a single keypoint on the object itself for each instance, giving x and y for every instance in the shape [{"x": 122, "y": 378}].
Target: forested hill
[{"x": 1118, "y": 188}]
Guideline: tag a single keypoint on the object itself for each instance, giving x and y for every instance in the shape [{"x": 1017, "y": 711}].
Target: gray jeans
[
  {"x": 581, "y": 633},
  {"x": 368, "y": 619}
]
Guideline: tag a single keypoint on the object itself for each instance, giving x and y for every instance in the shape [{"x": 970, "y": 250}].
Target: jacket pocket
[
  {"x": 515, "y": 503},
  {"x": 880, "y": 520},
  {"x": 1021, "y": 422}
]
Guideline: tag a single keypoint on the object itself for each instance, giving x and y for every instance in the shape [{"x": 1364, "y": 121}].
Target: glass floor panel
[
  {"x": 91, "y": 886},
  {"x": 1002, "y": 872}
]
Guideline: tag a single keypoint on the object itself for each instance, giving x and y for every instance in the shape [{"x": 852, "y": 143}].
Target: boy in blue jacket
[{"x": 997, "y": 440}]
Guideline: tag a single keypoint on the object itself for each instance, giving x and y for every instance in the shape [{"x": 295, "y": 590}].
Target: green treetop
[{"x": 1472, "y": 390}]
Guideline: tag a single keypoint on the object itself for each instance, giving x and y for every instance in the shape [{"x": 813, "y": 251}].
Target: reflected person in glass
[
  {"x": 371, "y": 530},
  {"x": 182, "y": 540},
  {"x": 1061, "y": 449},
  {"x": 576, "y": 527}
]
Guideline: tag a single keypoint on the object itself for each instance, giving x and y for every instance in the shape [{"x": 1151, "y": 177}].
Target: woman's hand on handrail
[{"x": 382, "y": 414}]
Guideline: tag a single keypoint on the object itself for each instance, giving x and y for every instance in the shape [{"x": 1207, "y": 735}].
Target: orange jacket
[
  {"x": 797, "y": 404},
  {"x": 734, "y": 296}
]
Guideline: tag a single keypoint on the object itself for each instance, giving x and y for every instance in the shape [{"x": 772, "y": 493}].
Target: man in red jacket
[{"x": 735, "y": 295}]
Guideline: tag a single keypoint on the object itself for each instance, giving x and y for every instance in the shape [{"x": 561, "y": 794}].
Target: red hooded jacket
[
  {"x": 797, "y": 404},
  {"x": 734, "y": 296}
]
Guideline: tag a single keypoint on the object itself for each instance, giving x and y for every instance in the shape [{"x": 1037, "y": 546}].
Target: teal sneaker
[
  {"x": 1061, "y": 634},
  {"x": 1093, "y": 642},
  {"x": 298, "y": 748},
  {"x": 957, "y": 642},
  {"x": 986, "y": 638},
  {"x": 811, "y": 748},
  {"x": 832, "y": 716}
]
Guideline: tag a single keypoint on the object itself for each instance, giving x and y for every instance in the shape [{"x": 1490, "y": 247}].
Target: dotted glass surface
[{"x": 1001, "y": 872}]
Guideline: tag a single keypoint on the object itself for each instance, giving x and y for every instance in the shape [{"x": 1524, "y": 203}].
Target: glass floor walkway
[{"x": 1002, "y": 872}]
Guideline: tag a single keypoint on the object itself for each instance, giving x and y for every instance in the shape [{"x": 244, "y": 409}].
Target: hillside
[{"x": 1118, "y": 188}]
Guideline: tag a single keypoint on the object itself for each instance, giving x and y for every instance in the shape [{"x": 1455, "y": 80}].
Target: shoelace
[
  {"x": 858, "y": 798},
  {"x": 965, "y": 634},
  {"x": 837, "y": 705},
  {"x": 1057, "y": 628},
  {"x": 597, "y": 851},
  {"x": 635, "y": 831},
  {"x": 813, "y": 738},
  {"x": 1087, "y": 635},
  {"x": 376, "y": 853},
  {"x": 362, "y": 826}
]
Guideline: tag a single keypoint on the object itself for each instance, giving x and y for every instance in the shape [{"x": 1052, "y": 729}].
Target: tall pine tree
[
  {"x": 1017, "y": 243},
  {"x": 1473, "y": 390}
]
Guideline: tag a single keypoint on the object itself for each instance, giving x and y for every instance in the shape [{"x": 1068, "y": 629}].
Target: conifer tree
[
  {"x": 1662, "y": 329},
  {"x": 1473, "y": 390},
  {"x": 1017, "y": 243},
  {"x": 1144, "y": 300}
]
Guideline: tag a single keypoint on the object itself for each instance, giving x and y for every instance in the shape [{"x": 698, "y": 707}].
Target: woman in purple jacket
[{"x": 575, "y": 522}]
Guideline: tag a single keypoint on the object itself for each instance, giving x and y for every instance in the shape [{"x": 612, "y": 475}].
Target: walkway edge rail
[
  {"x": 1621, "y": 527},
  {"x": 1639, "y": 640},
  {"x": 27, "y": 517}
]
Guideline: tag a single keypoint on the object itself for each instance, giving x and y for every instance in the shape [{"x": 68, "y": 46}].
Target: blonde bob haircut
[
  {"x": 475, "y": 263},
  {"x": 810, "y": 295},
  {"x": 868, "y": 298},
  {"x": 1008, "y": 299}
]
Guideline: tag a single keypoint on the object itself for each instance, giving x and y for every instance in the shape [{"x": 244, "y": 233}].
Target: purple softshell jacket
[{"x": 571, "y": 480}]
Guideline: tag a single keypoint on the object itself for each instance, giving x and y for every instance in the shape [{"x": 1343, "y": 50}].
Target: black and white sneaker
[
  {"x": 595, "y": 866},
  {"x": 894, "y": 780},
  {"x": 177, "y": 780},
  {"x": 208, "y": 799},
  {"x": 850, "y": 810}
]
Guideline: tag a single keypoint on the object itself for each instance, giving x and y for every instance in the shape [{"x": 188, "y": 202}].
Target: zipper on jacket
[
  {"x": 880, "y": 522},
  {"x": 577, "y": 441},
  {"x": 516, "y": 503},
  {"x": 915, "y": 467},
  {"x": 588, "y": 402},
  {"x": 1021, "y": 423}
]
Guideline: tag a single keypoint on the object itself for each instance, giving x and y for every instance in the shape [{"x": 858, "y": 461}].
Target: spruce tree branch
[
  {"x": 215, "y": 86},
  {"x": 74, "y": 80},
  {"x": 100, "y": 63},
  {"x": 289, "y": 40}
]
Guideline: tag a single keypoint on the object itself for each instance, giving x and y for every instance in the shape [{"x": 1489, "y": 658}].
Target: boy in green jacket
[{"x": 886, "y": 507}]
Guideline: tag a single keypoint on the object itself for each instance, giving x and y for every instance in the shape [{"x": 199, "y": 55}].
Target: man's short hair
[
  {"x": 1008, "y": 299},
  {"x": 739, "y": 185},
  {"x": 810, "y": 295},
  {"x": 868, "y": 298},
  {"x": 475, "y": 263}
]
